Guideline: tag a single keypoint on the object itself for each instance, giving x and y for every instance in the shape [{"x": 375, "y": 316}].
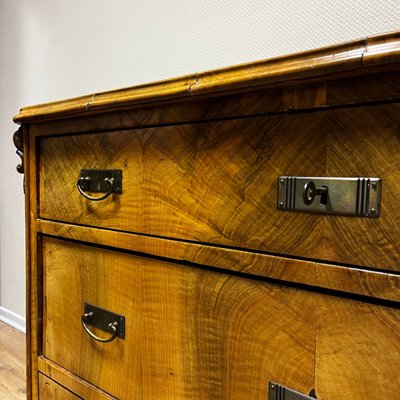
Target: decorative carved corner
[{"x": 19, "y": 144}]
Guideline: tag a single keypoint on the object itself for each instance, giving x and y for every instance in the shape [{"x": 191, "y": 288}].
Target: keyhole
[
  {"x": 310, "y": 191},
  {"x": 324, "y": 196}
]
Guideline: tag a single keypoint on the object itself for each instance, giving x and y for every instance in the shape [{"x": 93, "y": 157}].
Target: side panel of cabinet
[{"x": 190, "y": 333}]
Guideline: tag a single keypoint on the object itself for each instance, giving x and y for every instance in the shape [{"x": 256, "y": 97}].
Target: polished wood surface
[
  {"x": 50, "y": 390},
  {"x": 74, "y": 383},
  {"x": 377, "y": 87},
  {"x": 382, "y": 49},
  {"x": 12, "y": 363},
  {"x": 34, "y": 281},
  {"x": 358, "y": 351},
  {"x": 186, "y": 322},
  {"x": 190, "y": 333},
  {"x": 207, "y": 182},
  {"x": 310, "y": 64},
  {"x": 216, "y": 182},
  {"x": 353, "y": 57},
  {"x": 158, "y": 91},
  {"x": 369, "y": 283},
  {"x": 366, "y": 143},
  {"x": 225, "y": 292},
  {"x": 231, "y": 260}
]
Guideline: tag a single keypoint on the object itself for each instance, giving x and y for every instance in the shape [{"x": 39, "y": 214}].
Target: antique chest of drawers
[{"x": 195, "y": 238}]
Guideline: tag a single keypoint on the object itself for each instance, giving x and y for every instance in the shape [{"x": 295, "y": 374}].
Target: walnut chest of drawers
[{"x": 161, "y": 263}]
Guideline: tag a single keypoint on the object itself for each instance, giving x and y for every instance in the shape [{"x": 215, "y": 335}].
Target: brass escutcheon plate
[{"x": 360, "y": 197}]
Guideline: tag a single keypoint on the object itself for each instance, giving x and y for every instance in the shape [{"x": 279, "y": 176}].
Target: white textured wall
[{"x": 52, "y": 49}]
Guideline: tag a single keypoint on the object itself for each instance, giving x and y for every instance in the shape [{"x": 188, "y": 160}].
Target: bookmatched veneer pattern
[
  {"x": 216, "y": 182},
  {"x": 202, "y": 335},
  {"x": 222, "y": 291},
  {"x": 211, "y": 182}
]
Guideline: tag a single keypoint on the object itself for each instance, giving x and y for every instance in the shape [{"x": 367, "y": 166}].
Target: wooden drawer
[
  {"x": 194, "y": 333},
  {"x": 217, "y": 182},
  {"x": 50, "y": 390},
  {"x": 190, "y": 333}
]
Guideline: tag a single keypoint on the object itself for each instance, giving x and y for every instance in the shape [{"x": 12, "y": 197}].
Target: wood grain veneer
[
  {"x": 223, "y": 291},
  {"x": 382, "y": 86},
  {"x": 74, "y": 383},
  {"x": 351, "y": 57},
  {"x": 34, "y": 280},
  {"x": 50, "y": 390},
  {"x": 187, "y": 333},
  {"x": 357, "y": 340},
  {"x": 369, "y": 283},
  {"x": 216, "y": 182}
]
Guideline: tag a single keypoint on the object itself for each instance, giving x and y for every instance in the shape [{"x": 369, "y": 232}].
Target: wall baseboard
[{"x": 13, "y": 319}]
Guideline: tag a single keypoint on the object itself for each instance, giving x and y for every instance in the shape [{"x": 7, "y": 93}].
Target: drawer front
[
  {"x": 217, "y": 182},
  {"x": 190, "y": 333},
  {"x": 197, "y": 334},
  {"x": 50, "y": 390},
  {"x": 358, "y": 350}
]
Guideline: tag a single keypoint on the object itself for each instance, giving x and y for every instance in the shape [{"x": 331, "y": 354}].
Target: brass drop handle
[
  {"x": 310, "y": 192},
  {"x": 112, "y": 325},
  {"x": 108, "y": 181}
]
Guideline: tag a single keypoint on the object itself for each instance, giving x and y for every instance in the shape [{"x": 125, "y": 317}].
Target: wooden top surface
[{"x": 355, "y": 57}]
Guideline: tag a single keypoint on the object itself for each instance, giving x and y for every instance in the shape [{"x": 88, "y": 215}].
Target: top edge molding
[{"x": 352, "y": 57}]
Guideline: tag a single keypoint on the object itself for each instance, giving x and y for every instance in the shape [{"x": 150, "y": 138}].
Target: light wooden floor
[{"x": 12, "y": 363}]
